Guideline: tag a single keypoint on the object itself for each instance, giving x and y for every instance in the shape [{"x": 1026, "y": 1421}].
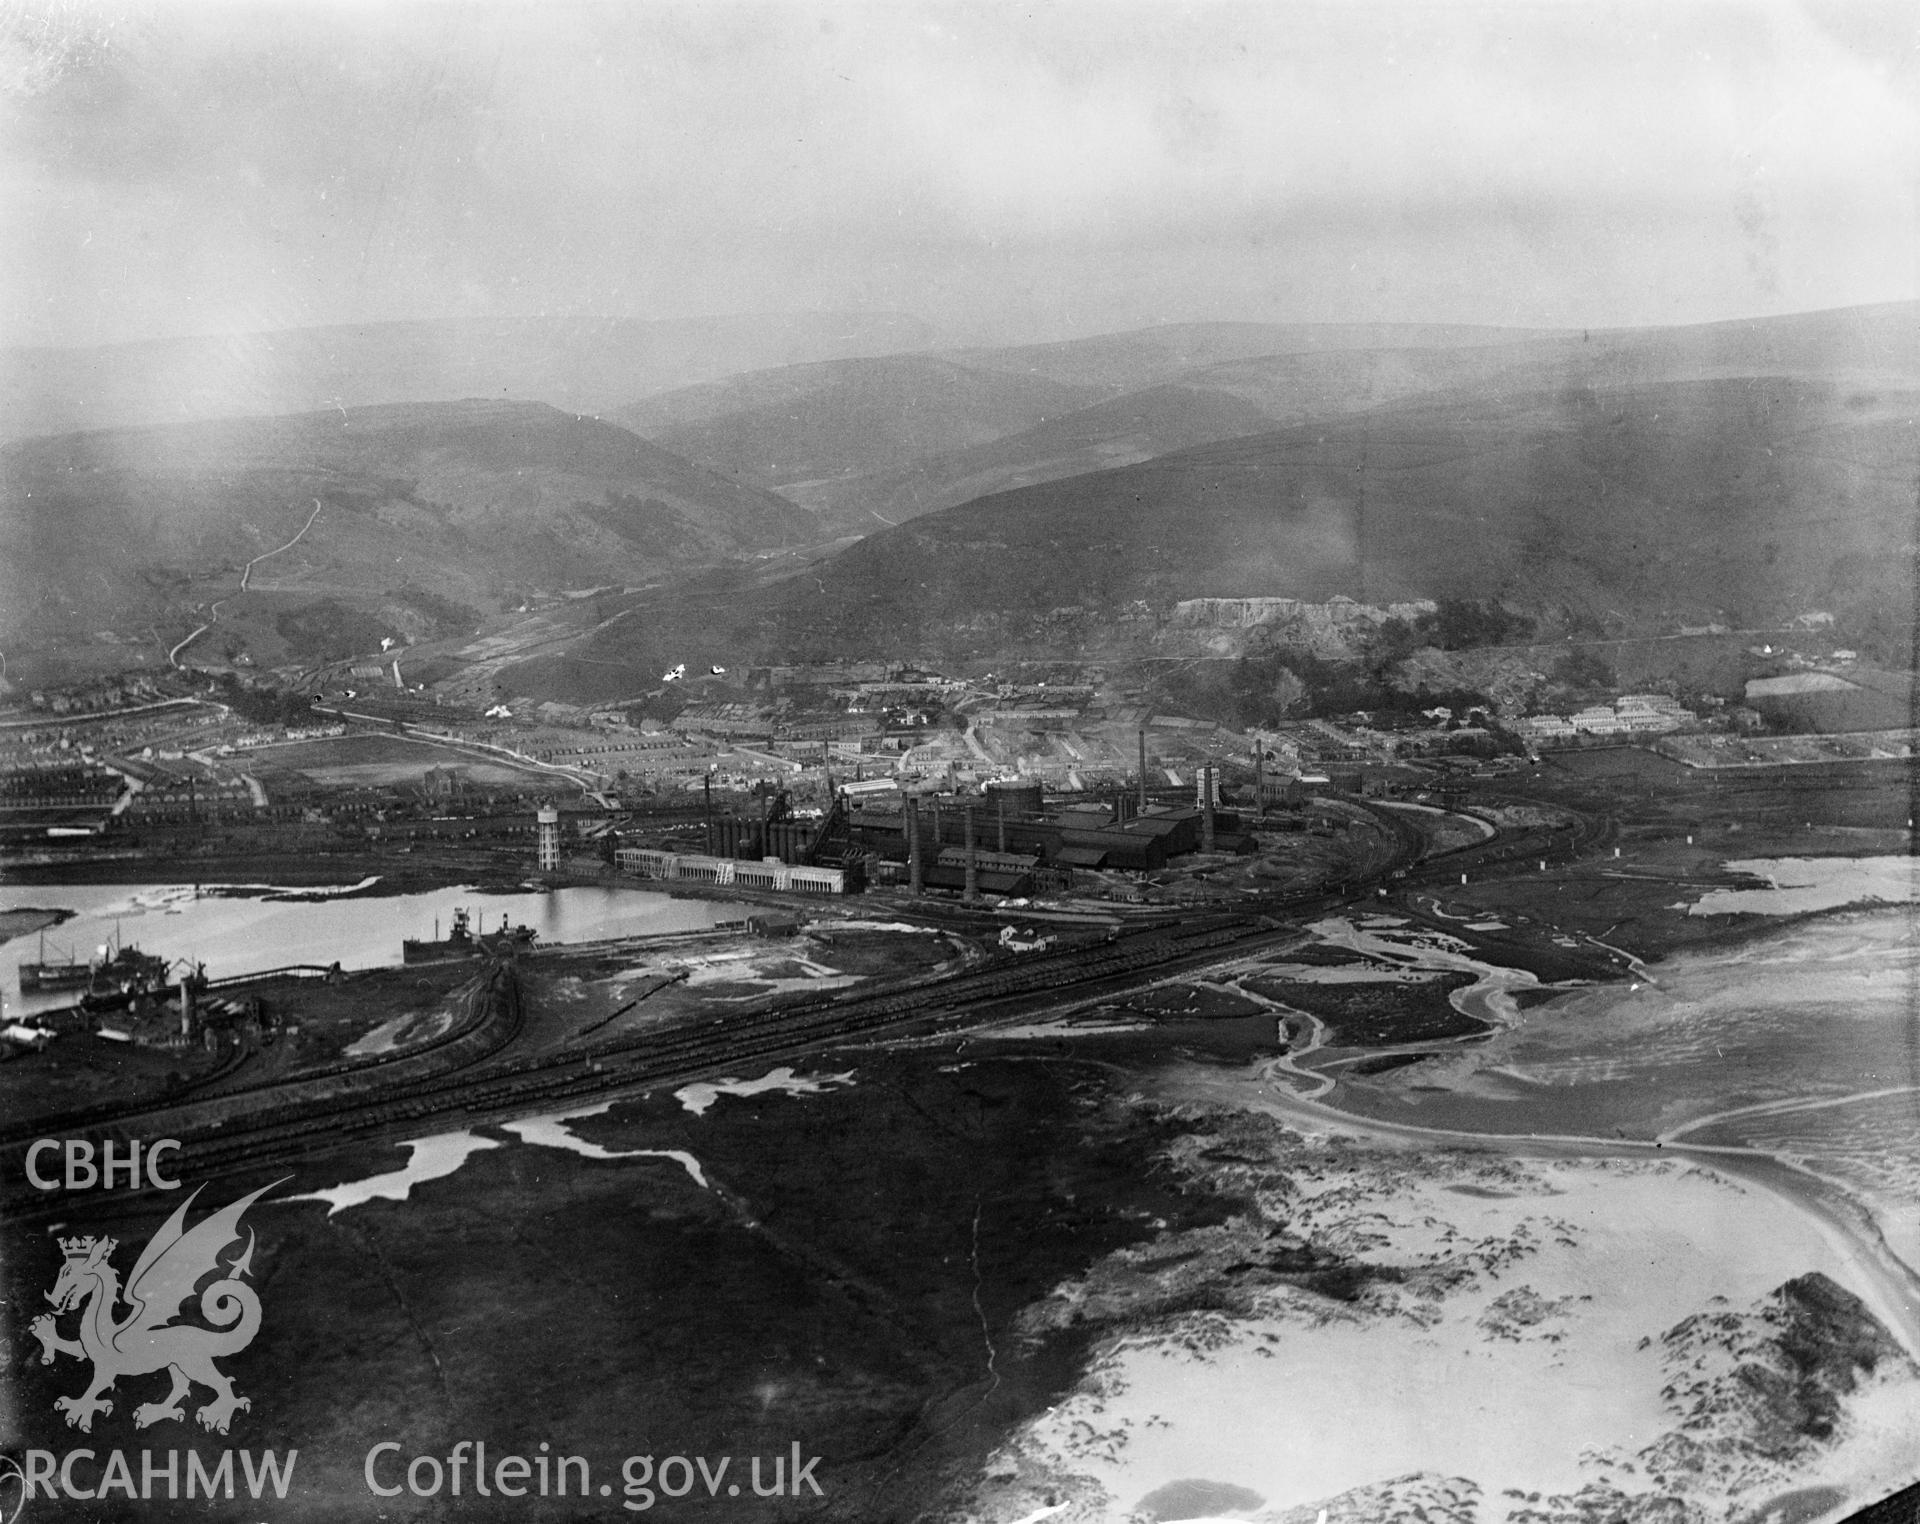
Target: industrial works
[{"x": 959, "y": 764}]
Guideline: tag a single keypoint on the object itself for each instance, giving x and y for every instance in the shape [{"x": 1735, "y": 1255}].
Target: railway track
[
  {"x": 291, "y": 1120},
  {"x": 469, "y": 1074},
  {"x": 488, "y": 1026}
]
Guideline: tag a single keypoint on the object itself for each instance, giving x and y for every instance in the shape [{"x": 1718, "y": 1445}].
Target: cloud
[{"x": 992, "y": 167}]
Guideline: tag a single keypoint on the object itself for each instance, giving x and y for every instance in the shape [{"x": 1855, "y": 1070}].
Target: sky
[{"x": 1004, "y": 172}]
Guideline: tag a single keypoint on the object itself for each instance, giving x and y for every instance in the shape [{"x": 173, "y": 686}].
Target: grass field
[{"x": 381, "y": 759}]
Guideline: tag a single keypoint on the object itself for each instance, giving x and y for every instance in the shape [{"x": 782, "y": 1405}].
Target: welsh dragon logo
[{"x": 148, "y": 1337}]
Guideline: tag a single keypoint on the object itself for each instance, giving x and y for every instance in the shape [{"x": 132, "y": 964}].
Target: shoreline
[
  {"x": 1828, "y": 1202},
  {"x": 25, "y": 920},
  {"x": 1385, "y": 1194}
]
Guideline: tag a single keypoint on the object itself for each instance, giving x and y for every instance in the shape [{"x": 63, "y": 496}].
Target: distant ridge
[
  {"x": 580, "y": 364},
  {"x": 1866, "y": 347},
  {"x": 1144, "y": 356},
  {"x": 824, "y": 419},
  {"x": 1742, "y": 500}
]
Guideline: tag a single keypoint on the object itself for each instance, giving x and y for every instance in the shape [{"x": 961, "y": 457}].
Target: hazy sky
[{"x": 1004, "y": 171}]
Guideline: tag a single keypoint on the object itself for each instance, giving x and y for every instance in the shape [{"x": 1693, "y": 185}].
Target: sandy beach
[{"x": 1535, "y": 1322}]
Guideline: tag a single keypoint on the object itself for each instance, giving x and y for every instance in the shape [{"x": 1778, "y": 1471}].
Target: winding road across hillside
[{"x": 246, "y": 572}]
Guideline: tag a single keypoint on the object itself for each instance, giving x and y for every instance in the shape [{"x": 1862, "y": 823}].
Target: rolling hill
[
  {"x": 804, "y": 422},
  {"x": 1857, "y": 347},
  {"x": 579, "y": 364},
  {"x": 1150, "y": 356},
  {"x": 1227, "y": 401},
  {"x": 473, "y": 502},
  {"x": 890, "y": 436},
  {"x": 1644, "y": 507}
]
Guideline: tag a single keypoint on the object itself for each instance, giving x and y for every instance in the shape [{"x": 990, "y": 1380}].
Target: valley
[{"x": 1096, "y": 887}]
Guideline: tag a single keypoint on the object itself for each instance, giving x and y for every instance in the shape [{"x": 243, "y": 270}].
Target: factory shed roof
[
  {"x": 947, "y": 876},
  {"x": 1002, "y": 862}
]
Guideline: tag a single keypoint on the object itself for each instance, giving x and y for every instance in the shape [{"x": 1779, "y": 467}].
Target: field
[
  {"x": 1370, "y": 1015},
  {"x": 860, "y": 1257},
  {"x": 1667, "y": 832},
  {"x": 373, "y": 760}
]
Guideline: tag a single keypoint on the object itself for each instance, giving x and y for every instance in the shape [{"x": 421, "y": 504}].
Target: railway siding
[{"x": 466, "y": 1078}]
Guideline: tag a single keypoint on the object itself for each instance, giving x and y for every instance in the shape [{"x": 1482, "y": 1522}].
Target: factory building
[
  {"x": 1034, "y": 840},
  {"x": 789, "y": 840},
  {"x": 996, "y": 873},
  {"x": 1015, "y": 798},
  {"x": 697, "y": 867}
]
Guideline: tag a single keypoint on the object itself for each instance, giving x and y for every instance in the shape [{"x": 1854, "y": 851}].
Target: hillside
[
  {"x": 1149, "y": 356},
  {"x": 1640, "y": 507},
  {"x": 890, "y": 436},
  {"x": 1852, "y": 346},
  {"x": 580, "y": 364},
  {"x": 1128, "y": 429},
  {"x": 475, "y": 502},
  {"x": 806, "y": 422},
  {"x": 1861, "y": 347}
]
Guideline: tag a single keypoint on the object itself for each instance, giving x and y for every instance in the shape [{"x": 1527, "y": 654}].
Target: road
[
  {"x": 247, "y": 571},
  {"x": 173, "y": 656},
  {"x": 100, "y": 716},
  {"x": 480, "y": 750}
]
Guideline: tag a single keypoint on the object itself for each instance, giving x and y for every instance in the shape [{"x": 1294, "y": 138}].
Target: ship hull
[
  {"x": 493, "y": 943},
  {"x": 54, "y": 976},
  {"x": 437, "y": 952}
]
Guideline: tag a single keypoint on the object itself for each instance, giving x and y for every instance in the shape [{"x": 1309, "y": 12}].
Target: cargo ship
[
  {"x": 123, "y": 978},
  {"x": 112, "y": 978},
  {"x": 42, "y": 975},
  {"x": 462, "y": 941}
]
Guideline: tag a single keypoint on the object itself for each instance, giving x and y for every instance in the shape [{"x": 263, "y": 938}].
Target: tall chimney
[
  {"x": 1206, "y": 808},
  {"x": 706, "y": 788},
  {"x": 972, "y": 891},
  {"x": 186, "y": 1007},
  {"x": 1143, "y": 772},
  {"x": 916, "y": 868},
  {"x": 1259, "y": 782}
]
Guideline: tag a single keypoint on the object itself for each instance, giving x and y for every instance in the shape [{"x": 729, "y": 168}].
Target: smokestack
[
  {"x": 1143, "y": 771},
  {"x": 1259, "y": 782},
  {"x": 916, "y": 869},
  {"x": 186, "y": 1007},
  {"x": 972, "y": 891},
  {"x": 1000, "y": 805},
  {"x": 706, "y": 787},
  {"x": 1206, "y": 808}
]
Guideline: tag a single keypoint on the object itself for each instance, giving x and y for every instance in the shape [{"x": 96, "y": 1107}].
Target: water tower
[{"x": 547, "y": 831}]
